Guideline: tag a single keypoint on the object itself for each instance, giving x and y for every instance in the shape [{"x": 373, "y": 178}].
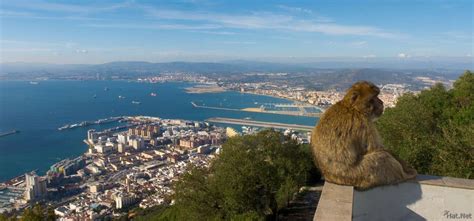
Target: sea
[{"x": 38, "y": 110}]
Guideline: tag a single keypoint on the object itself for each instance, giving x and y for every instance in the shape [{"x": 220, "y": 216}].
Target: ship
[
  {"x": 34, "y": 82},
  {"x": 84, "y": 123},
  {"x": 153, "y": 94},
  {"x": 136, "y": 102},
  {"x": 67, "y": 126},
  {"x": 87, "y": 123},
  {"x": 121, "y": 97},
  {"x": 9, "y": 133}
]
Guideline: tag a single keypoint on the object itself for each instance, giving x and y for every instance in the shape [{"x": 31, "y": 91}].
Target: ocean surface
[{"x": 38, "y": 110}]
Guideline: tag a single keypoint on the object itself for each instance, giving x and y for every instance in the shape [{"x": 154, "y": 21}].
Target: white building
[
  {"x": 122, "y": 138},
  {"x": 92, "y": 135},
  {"x": 138, "y": 143},
  {"x": 35, "y": 186},
  {"x": 124, "y": 200}
]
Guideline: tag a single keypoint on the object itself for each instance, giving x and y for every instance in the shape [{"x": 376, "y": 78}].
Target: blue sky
[{"x": 204, "y": 30}]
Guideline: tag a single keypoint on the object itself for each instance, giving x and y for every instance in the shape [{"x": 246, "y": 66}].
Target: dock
[{"x": 260, "y": 123}]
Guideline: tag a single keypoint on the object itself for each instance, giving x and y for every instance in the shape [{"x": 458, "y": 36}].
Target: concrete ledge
[
  {"x": 426, "y": 198},
  {"x": 335, "y": 203},
  {"x": 444, "y": 181}
]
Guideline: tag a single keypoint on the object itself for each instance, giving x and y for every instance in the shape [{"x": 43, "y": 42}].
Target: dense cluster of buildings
[
  {"x": 131, "y": 168},
  {"x": 389, "y": 92},
  {"x": 136, "y": 167}
]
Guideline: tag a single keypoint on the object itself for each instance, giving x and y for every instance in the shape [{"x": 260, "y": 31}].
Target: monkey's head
[{"x": 363, "y": 97}]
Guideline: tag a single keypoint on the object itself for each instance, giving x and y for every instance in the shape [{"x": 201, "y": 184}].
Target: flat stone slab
[
  {"x": 335, "y": 203},
  {"x": 425, "y": 198}
]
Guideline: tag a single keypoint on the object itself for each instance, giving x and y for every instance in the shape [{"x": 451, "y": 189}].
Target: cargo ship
[
  {"x": 87, "y": 123},
  {"x": 9, "y": 133}
]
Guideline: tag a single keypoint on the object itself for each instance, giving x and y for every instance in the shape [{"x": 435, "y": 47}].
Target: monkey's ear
[{"x": 354, "y": 96}]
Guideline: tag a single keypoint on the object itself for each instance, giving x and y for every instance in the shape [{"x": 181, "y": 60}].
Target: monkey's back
[{"x": 337, "y": 140}]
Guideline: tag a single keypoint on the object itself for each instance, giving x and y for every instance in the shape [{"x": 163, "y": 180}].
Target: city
[
  {"x": 135, "y": 110},
  {"x": 123, "y": 169}
]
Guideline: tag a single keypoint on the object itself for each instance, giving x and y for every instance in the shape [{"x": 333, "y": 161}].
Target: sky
[{"x": 204, "y": 30}]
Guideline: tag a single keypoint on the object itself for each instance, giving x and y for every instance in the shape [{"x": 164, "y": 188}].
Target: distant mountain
[
  {"x": 139, "y": 68},
  {"x": 134, "y": 69}
]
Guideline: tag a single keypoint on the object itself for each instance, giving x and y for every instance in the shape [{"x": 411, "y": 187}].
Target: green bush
[
  {"x": 253, "y": 177},
  {"x": 434, "y": 130}
]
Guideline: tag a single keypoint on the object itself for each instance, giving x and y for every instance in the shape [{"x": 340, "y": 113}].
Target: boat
[
  {"x": 34, "y": 82},
  {"x": 74, "y": 126},
  {"x": 9, "y": 133},
  {"x": 67, "y": 126},
  {"x": 136, "y": 102},
  {"x": 153, "y": 94},
  {"x": 88, "y": 123},
  {"x": 85, "y": 123},
  {"x": 121, "y": 97}
]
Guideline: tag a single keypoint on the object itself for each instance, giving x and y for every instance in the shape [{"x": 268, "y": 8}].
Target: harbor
[{"x": 39, "y": 127}]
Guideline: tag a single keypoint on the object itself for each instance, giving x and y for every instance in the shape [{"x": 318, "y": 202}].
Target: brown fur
[{"x": 347, "y": 147}]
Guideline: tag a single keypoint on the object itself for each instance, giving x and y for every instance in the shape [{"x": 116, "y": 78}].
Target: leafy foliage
[
  {"x": 434, "y": 130},
  {"x": 253, "y": 177},
  {"x": 37, "y": 213}
]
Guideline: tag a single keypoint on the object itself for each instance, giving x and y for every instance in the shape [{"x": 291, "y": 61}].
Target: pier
[{"x": 259, "y": 123}]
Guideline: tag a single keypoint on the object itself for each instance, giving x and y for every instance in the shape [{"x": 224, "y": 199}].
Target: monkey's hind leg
[
  {"x": 406, "y": 167},
  {"x": 380, "y": 168}
]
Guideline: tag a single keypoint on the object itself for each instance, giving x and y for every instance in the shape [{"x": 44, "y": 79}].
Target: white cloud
[
  {"x": 216, "y": 32},
  {"x": 240, "y": 42},
  {"x": 403, "y": 55},
  {"x": 289, "y": 21},
  {"x": 359, "y": 43},
  {"x": 369, "y": 56},
  {"x": 155, "y": 26},
  {"x": 65, "y": 8},
  {"x": 9, "y": 13},
  {"x": 295, "y": 9},
  {"x": 82, "y": 51},
  {"x": 268, "y": 20}
]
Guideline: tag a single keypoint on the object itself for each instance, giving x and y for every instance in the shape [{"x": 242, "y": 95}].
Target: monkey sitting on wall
[{"x": 347, "y": 147}]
